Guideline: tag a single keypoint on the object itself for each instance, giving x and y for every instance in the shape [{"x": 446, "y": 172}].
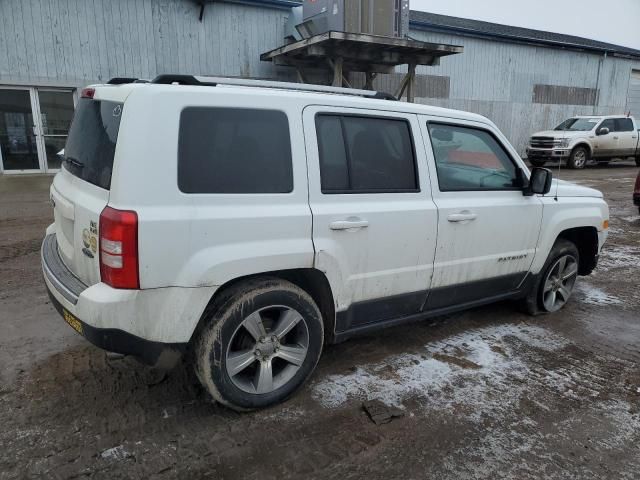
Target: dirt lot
[{"x": 489, "y": 393}]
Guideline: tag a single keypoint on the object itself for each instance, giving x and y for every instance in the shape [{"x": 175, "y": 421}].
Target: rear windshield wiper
[{"x": 74, "y": 161}]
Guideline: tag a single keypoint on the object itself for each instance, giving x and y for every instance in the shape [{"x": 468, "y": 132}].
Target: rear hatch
[{"x": 81, "y": 190}]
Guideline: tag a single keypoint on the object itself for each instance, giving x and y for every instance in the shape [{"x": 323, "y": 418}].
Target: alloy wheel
[
  {"x": 267, "y": 349},
  {"x": 559, "y": 283},
  {"x": 580, "y": 159}
]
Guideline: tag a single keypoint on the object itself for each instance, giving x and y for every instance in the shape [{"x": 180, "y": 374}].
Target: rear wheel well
[
  {"x": 586, "y": 241},
  {"x": 311, "y": 280}
]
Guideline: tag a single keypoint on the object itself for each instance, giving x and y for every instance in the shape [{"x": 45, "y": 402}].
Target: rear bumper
[
  {"x": 113, "y": 319},
  {"x": 155, "y": 354}
]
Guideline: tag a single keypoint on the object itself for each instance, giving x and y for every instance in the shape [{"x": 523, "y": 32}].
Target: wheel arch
[
  {"x": 586, "y": 241},
  {"x": 311, "y": 280},
  {"x": 585, "y": 145}
]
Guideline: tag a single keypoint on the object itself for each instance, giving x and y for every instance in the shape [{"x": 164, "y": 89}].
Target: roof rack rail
[
  {"x": 243, "y": 82},
  {"x": 123, "y": 80}
]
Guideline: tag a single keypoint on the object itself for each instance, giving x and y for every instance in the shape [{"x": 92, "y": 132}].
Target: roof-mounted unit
[{"x": 389, "y": 18}]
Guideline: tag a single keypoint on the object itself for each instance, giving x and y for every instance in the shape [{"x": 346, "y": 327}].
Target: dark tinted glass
[
  {"x": 333, "y": 157},
  {"x": 624, "y": 125},
  {"x": 230, "y": 150},
  {"x": 91, "y": 144},
  {"x": 609, "y": 123},
  {"x": 365, "y": 154},
  {"x": 471, "y": 159}
]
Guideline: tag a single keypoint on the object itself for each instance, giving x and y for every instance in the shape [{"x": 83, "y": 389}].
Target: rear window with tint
[
  {"x": 91, "y": 144},
  {"x": 231, "y": 150},
  {"x": 624, "y": 125}
]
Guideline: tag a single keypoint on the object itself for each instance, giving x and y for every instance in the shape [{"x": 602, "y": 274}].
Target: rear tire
[
  {"x": 637, "y": 161},
  {"x": 578, "y": 158},
  {"x": 556, "y": 281},
  {"x": 259, "y": 344},
  {"x": 536, "y": 162}
]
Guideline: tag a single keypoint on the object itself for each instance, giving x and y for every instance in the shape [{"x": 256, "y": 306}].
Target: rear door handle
[
  {"x": 462, "y": 217},
  {"x": 348, "y": 224}
]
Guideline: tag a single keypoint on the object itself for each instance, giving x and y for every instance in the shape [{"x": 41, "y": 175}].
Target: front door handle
[
  {"x": 615, "y": 138},
  {"x": 348, "y": 224},
  {"x": 462, "y": 217}
]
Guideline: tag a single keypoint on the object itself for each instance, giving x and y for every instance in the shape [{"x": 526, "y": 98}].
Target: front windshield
[{"x": 578, "y": 124}]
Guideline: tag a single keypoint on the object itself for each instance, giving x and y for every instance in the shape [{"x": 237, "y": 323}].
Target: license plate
[{"x": 72, "y": 321}]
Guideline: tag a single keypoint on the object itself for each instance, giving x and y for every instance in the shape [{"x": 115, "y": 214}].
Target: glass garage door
[
  {"x": 34, "y": 124},
  {"x": 56, "y": 112},
  {"x": 18, "y": 140}
]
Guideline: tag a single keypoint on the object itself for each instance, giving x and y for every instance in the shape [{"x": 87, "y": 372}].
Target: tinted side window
[
  {"x": 230, "y": 150},
  {"x": 624, "y": 125},
  {"x": 471, "y": 159},
  {"x": 609, "y": 123},
  {"x": 365, "y": 154}
]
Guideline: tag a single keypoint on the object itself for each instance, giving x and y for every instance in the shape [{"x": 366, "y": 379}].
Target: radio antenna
[{"x": 558, "y": 179}]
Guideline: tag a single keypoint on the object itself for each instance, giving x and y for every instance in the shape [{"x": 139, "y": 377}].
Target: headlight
[{"x": 562, "y": 142}]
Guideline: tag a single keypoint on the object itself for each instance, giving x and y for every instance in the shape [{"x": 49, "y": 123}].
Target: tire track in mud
[
  {"x": 19, "y": 249},
  {"x": 91, "y": 404},
  {"x": 25, "y": 222}
]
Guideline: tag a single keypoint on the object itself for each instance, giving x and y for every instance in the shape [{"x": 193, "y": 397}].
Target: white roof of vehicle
[
  {"x": 119, "y": 93},
  {"x": 600, "y": 116}
]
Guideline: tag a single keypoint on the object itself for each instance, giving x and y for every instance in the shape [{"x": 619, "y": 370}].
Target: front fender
[
  {"x": 566, "y": 213},
  {"x": 581, "y": 142}
]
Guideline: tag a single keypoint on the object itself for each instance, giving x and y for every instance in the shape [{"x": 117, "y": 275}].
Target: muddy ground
[{"x": 489, "y": 393}]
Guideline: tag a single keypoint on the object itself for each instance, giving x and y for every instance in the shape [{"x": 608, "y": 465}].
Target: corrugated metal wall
[
  {"x": 499, "y": 80},
  {"x": 76, "y": 42}
]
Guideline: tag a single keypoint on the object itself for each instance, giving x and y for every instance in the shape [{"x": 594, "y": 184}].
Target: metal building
[{"x": 524, "y": 80}]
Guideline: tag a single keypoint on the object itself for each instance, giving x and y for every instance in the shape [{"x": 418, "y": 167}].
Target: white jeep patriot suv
[{"x": 250, "y": 223}]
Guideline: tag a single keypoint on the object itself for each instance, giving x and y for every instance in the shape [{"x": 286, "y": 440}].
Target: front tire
[
  {"x": 260, "y": 343},
  {"x": 578, "y": 158},
  {"x": 557, "y": 279}
]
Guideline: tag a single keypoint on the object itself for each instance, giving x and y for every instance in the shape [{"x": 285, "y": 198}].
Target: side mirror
[
  {"x": 602, "y": 131},
  {"x": 539, "y": 182}
]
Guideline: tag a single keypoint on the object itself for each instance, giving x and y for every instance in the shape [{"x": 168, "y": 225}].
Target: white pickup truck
[{"x": 579, "y": 139}]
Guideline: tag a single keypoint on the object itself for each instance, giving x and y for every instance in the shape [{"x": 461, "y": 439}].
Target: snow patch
[
  {"x": 115, "y": 453},
  {"x": 595, "y": 296},
  {"x": 619, "y": 256},
  {"x": 435, "y": 378}
]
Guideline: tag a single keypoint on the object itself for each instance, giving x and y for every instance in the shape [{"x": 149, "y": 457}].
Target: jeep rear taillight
[
  {"x": 119, "y": 248},
  {"x": 88, "y": 92}
]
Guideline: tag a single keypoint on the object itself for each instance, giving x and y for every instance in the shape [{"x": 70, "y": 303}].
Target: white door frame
[
  {"x": 42, "y": 153},
  {"x": 37, "y": 127},
  {"x": 36, "y": 120}
]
